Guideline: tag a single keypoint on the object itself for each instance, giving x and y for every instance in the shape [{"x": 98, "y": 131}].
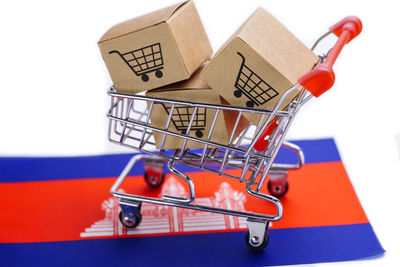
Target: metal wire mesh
[{"x": 181, "y": 117}]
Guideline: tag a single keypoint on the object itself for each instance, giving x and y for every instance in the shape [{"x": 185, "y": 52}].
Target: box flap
[
  {"x": 276, "y": 44},
  {"x": 141, "y": 22},
  {"x": 190, "y": 36}
]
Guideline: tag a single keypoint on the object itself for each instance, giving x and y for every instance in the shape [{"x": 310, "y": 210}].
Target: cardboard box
[
  {"x": 194, "y": 90},
  {"x": 156, "y": 49},
  {"x": 258, "y": 64}
]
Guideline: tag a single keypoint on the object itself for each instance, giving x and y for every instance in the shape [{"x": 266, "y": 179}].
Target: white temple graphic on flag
[{"x": 159, "y": 219}]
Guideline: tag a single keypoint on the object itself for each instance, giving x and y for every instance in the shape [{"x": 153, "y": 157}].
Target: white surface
[{"x": 53, "y": 94}]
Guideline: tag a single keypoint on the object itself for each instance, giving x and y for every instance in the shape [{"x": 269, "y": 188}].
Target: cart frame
[{"x": 253, "y": 152}]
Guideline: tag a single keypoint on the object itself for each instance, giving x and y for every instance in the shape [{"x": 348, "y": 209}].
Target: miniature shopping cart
[
  {"x": 251, "y": 154},
  {"x": 144, "y": 60},
  {"x": 252, "y": 86},
  {"x": 181, "y": 119}
]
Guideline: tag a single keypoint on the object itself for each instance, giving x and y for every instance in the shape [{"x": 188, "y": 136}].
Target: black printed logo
[
  {"x": 181, "y": 119},
  {"x": 252, "y": 86},
  {"x": 144, "y": 60}
]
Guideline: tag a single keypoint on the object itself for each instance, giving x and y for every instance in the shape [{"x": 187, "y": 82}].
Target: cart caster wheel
[
  {"x": 199, "y": 134},
  {"x": 278, "y": 189},
  {"x": 129, "y": 222},
  {"x": 237, "y": 93},
  {"x": 159, "y": 74},
  {"x": 250, "y": 104},
  {"x": 153, "y": 180},
  {"x": 145, "y": 77},
  {"x": 261, "y": 246}
]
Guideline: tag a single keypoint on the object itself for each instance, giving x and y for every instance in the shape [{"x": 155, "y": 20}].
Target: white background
[{"x": 53, "y": 86}]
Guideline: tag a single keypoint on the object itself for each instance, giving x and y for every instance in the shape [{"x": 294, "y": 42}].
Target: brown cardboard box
[
  {"x": 194, "y": 90},
  {"x": 258, "y": 64},
  {"x": 156, "y": 49}
]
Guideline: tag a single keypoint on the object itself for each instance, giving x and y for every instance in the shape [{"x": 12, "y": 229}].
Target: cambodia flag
[{"x": 58, "y": 211}]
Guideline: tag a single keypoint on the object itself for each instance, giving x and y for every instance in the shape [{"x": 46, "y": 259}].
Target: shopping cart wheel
[
  {"x": 259, "y": 247},
  {"x": 145, "y": 77},
  {"x": 128, "y": 221},
  {"x": 159, "y": 73},
  {"x": 250, "y": 104},
  {"x": 154, "y": 179},
  {"x": 199, "y": 134},
  {"x": 237, "y": 93},
  {"x": 278, "y": 188}
]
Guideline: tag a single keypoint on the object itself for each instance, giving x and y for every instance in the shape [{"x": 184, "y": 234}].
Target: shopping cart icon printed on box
[
  {"x": 181, "y": 119},
  {"x": 252, "y": 86},
  {"x": 144, "y": 60}
]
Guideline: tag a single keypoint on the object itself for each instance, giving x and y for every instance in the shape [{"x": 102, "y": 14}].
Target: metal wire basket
[{"x": 252, "y": 153}]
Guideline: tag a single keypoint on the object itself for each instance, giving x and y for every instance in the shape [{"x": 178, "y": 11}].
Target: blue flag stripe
[
  {"x": 20, "y": 169},
  {"x": 287, "y": 246}
]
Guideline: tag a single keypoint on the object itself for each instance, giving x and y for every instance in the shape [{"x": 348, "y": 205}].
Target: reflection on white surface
[{"x": 398, "y": 142}]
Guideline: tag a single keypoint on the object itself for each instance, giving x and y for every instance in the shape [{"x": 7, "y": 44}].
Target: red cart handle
[{"x": 322, "y": 77}]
